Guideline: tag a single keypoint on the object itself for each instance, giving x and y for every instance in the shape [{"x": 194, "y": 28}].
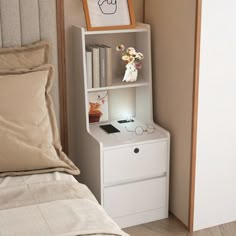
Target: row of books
[{"x": 99, "y": 66}]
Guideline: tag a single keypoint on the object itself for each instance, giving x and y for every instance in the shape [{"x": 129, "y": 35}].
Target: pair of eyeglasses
[{"x": 139, "y": 130}]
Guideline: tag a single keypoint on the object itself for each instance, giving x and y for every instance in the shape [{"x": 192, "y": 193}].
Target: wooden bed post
[{"x": 62, "y": 74}]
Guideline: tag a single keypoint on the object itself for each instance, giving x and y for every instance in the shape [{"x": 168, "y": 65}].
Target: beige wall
[
  {"x": 173, "y": 32},
  {"x": 74, "y": 15}
]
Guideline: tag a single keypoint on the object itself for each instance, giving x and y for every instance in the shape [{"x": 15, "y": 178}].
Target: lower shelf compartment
[{"x": 134, "y": 198}]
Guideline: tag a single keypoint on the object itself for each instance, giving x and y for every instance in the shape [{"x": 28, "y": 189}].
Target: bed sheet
[
  {"x": 53, "y": 204},
  {"x": 37, "y": 178}
]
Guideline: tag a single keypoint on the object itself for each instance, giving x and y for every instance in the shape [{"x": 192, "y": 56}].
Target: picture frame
[
  {"x": 98, "y": 107},
  {"x": 109, "y": 14}
]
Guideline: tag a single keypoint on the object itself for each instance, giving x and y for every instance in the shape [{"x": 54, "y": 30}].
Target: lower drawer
[{"x": 136, "y": 197}]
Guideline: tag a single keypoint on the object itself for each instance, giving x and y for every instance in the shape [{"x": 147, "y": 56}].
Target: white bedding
[
  {"x": 32, "y": 179},
  {"x": 51, "y": 204}
]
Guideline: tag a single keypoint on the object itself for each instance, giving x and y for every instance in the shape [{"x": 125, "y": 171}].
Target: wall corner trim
[{"x": 195, "y": 112}]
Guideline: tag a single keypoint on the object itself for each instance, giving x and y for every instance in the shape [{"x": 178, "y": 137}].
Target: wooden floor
[{"x": 172, "y": 227}]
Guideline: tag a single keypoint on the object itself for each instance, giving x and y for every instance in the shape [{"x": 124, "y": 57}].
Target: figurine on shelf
[{"x": 133, "y": 62}]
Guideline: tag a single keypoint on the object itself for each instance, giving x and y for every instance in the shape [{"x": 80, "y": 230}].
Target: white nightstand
[
  {"x": 136, "y": 177},
  {"x": 128, "y": 173}
]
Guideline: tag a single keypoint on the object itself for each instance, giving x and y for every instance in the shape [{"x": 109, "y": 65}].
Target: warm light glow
[{"x": 127, "y": 116}]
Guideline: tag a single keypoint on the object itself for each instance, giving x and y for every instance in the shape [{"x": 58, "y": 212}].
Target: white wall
[
  {"x": 74, "y": 15},
  {"x": 215, "y": 199}
]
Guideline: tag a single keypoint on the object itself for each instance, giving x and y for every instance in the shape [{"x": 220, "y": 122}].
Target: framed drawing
[
  {"x": 98, "y": 106},
  {"x": 109, "y": 14}
]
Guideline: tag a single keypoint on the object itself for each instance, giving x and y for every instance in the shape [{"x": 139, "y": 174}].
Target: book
[
  {"x": 102, "y": 55},
  {"x": 89, "y": 68},
  {"x": 95, "y": 65},
  {"x": 108, "y": 65},
  {"x": 98, "y": 106}
]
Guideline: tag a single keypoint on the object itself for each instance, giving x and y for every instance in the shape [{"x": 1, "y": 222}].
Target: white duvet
[{"x": 51, "y": 204}]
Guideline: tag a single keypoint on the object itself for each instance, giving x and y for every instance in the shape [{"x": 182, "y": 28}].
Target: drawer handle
[{"x": 136, "y": 150}]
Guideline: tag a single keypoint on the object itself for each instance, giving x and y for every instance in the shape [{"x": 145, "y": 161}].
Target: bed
[
  {"x": 38, "y": 194},
  {"x": 51, "y": 204}
]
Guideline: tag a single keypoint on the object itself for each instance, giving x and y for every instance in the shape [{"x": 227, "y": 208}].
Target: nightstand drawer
[
  {"x": 136, "y": 197},
  {"x": 135, "y": 162}
]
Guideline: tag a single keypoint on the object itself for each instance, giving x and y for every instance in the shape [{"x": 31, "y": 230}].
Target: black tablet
[{"x": 110, "y": 129}]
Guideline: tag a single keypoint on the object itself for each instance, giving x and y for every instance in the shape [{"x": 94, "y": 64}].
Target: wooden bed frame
[{"x": 62, "y": 74}]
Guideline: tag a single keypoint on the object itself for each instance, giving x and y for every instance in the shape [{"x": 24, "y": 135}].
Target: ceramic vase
[{"x": 131, "y": 73}]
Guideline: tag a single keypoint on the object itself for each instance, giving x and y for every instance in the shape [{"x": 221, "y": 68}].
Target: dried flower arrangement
[
  {"x": 131, "y": 56},
  {"x": 133, "y": 62}
]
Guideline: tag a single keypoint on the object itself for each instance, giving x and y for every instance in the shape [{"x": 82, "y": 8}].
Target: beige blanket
[{"x": 55, "y": 206}]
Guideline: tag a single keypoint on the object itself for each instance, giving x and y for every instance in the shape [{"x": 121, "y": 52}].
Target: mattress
[{"x": 51, "y": 204}]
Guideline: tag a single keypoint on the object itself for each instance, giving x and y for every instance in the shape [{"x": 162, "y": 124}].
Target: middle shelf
[{"x": 121, "y": 85}]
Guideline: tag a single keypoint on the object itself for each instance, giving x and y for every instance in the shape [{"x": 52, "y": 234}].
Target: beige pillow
[
  {"x": 30, "y": 56},
  {"x": 29, "y": 139}
]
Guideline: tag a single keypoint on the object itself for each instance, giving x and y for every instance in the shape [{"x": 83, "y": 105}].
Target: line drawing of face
[{"x": 108, "y": 7}]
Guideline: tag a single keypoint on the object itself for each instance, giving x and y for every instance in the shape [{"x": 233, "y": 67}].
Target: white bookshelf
[{"x": 116, "y": 166}]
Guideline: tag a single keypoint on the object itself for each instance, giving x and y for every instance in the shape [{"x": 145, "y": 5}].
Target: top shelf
[{"x": 139, "y": 28}]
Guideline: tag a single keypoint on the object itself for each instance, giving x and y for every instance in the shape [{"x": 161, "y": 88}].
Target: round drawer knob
[{"x": 136, "y": 150}]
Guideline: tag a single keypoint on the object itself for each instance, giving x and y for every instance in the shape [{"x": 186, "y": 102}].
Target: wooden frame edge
[
  {"x": 91, "y": 28},
  {"x": 195, "y": 112},
  {"x": 62, "y": 74}
]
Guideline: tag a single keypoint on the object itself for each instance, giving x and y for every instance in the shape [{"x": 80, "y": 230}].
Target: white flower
[
  {"x": 131, "y": 51},
  {"x": 120, "y": 48},
  {"x": 139, "y": 56},
  {"x": 125, "y": 58}
]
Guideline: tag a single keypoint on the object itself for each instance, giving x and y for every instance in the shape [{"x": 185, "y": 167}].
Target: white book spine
[
  {"x": 89, "y": 69},
  {"x": 102, "y": 67},
  {"x": 95, "y": 65},
  {"x": 96, "y": 68},
  {"x": 108, "y": 63}
]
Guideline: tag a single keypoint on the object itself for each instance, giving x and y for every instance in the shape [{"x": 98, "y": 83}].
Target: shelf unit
[{"x": 116, "y": 166}]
